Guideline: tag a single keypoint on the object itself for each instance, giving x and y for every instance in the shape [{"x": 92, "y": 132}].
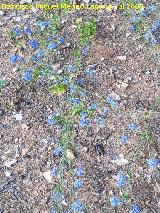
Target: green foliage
[
  {"x": 146, "y": 136},
  {"x": 86, "y": 31},
  {"x": 3, "y": 83},
  {"x": 58, "y": 89}
]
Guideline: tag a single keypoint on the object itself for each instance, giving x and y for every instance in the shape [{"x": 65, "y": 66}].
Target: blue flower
[
  {"x": 155, "y": 25},
  {"x": 85, "y": 50},
  {"x": 83, "y": 94},
  {"x": 116, "y": 201},
  {"x": 113, "y": 103},
  {"x": 93, "y": 106},
  {"x": 124, "y": 138},
  {"x": 51, "y": 120},
  {"x": 75, "y": 100},
  {"x": 135, "y": 19},
  {"x": 78, "y": 184},
  {"x": 52, "y": 45},
  {"x": 89, "y": 71},
  {"x": 33, "y": 43},
  {"x": 107, "y": 110},
  {"x": 77, "y": 206},
  {"x": 57, "y": 196},
  {"x": 65, "y": 80},
  {"x": 132, "y": 126},
  {"x": 27, "y": 30},
  {"x": 62, "y": 40},
  {"x": 73, "y": 88},
  {"x": 71, "y": 68},
  {"x": 80, "y": 81},
  {"x": 150, "y": 37},
  {"x": 83, "y": 114},
  {"x": 27, "y": 75},
  {"x": 100, "y": 121},
  {"x": 14, "y": 58},
  {"x": 54, "y": 172},
  {"x": 58, "y": 151},
  {"x": 16, "y": 31},
  {"x": 135, "y": 208},
  {"x": 39, "y": 54},
  {"x": 121, "y": 179},
  {"x": 79, "y": 171},
  {"x": 43, "y": 24},
  {"x": 153, "y": 163},
  {"x": 53, "y": 211},
  {"x": 152, "y": 8},
  {"x": 131, "y": 28},
  {"x": 83, "y": 122}
]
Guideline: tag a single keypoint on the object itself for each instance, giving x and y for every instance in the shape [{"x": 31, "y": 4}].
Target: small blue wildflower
[
  {"x": 77, "y": 206},
  {"x": 14, "y": 58},
  {"x": 153, "y": 163},
  {"x": 144, "y": 12},
  {"x": 16, "y": 31},
  {"x": 131, "y": 28},
  {"x": 52, "y": 46},
  {"x": 57, "y": 196},
  {"x": 100, "y": 121},
  {"x": 65, "y": 80},
  {"x": 135, "y": 19},
  {"x": 83, "y": 94},
  {"x": 85, "y": 50},
  {"x": 113, "y": 103},
  {"x": 150, "y": 37},
  {"x": 54, "y": 172},
  {"x": 51, "y": 120},
  {"x": 27, "y": 75},
  {"x": 152, "y": 8},
  {"x": 89, "y": 71},
  {"x": 83, "y": 114},
  {"x": 83, "y": 122},
  {"x": 155, "y": 26},
  {"x": 58, "y": 151},
  {"x": 79, "y": 171},
  {"x": 71, "y": 68},
  {"x": 93, "y": 106},
  {"x": 107, "y": 110},
  {"x": 43, "y": 24},
  {"x": 62, "y": 40},
  {"x": 132, "y": 126},
  {"x": 27, "y": 30},
  {"x": 80, "y": 81},
  {"x": 75, "y": 100},
  {"x": 73, "y": 88},
  {"x": 135, "y": 208},
  {"x": 121, "y": 179},
  {"x": 39, "y": 53},
  {"x": 116, "y": 201},
  {"x": 33, "y": 43},
  {"x": 124, "y": 138},
  {"x": 53, "y": 211},
  {"x": 78, "y": 184}
]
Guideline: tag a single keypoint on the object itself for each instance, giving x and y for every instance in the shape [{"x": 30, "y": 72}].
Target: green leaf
[
  {"x": 58, "y": 89},
  {"x": 3, "y": 83}
]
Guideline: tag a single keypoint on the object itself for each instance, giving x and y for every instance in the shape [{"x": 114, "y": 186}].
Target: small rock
[
  {"x": 1, "y": 12},
  {"x": 123, "y": 58},
  {"x": 8, "y": 173},
  {"x": 70, "y": 155},
  {"x": 47, "y": 176},
  {"x": 128, "y": 34},
  {"x": 18, "y": 116},
  {"x": 121, "y": 85},
  {"x": 120, "y": 162},
  {"x": 64, "y": 203},
  {"x": 9, "y": 163}
]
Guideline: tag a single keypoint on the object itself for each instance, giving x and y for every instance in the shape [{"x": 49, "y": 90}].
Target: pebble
[
  {"x": 47, "y": 176},
  {"x": 120, "y": 161},
  {"x": 8, "y": 173},
  {"x": 70, "y": 155},
  {"x": 10, "y": 163},
  {"x": 122, "y": 58},
  {"x": 18, "y": 116},
  {"x": 1, "y": 12}
]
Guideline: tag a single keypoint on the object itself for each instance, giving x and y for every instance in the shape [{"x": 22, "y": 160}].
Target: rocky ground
[{"x": 80, "y": 110}]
